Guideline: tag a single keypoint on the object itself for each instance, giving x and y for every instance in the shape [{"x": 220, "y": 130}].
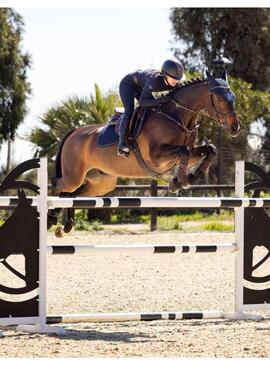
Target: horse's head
[{"x": 222, "y": 103}]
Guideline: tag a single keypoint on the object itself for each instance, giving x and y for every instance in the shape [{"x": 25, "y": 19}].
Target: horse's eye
[{"x": 219, "y": 98}]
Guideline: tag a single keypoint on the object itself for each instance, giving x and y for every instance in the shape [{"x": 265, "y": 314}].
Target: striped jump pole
[
  {"x": 154, "y": 249},
  {"x": 156, "y": 202},
  {"x": 125, "y": 317},
  {"x": 142, "y": 202}
]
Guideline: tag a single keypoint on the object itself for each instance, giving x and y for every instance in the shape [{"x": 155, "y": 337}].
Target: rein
[{"x": 179, "y": 123}]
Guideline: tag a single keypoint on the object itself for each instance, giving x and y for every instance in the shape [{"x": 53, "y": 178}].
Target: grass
[
  {"x": 192, "y": 222},
  {"x": 196, "y": 216},
  {"x": 216, "y": 226},
  {"x": 169, "y": 223},
  {"x": 213, "y": 222},
  {"x": 82, "y": 225}
]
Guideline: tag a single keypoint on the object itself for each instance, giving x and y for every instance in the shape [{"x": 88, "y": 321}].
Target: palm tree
[{"x": 71, "y": 113}]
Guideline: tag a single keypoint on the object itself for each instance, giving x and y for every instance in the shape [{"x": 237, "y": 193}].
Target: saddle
[{"x": 109, "y": 134}]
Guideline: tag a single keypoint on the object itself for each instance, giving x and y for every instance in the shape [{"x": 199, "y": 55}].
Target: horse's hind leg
[
  {"x": 73, "y": 176},
  {"x": 52, "y": 217},
  {"x": 97, "y": 183}
]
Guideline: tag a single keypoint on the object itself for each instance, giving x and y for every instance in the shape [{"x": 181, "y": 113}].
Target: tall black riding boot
[{"x": 123, "y": 149}]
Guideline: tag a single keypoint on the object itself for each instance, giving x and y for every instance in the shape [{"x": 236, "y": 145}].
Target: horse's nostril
[{"x": 235, "y": 127}]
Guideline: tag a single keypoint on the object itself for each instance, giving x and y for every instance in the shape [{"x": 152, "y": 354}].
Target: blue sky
[{"x": 73, "y": 48}]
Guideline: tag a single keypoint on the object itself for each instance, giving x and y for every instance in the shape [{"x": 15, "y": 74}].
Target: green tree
[
  {"x": 14, "y": 87},
  {"x": 242, "y": 34}
]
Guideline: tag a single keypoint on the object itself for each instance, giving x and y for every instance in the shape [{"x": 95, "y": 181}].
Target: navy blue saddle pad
[{"x": 107, "y": 136}]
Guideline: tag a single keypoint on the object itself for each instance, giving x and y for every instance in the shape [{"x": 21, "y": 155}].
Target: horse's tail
[
  {"x": 53, "y": 213},
  {"x": 58, "y": 165}
]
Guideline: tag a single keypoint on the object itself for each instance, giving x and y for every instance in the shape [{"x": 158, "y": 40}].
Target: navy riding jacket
[{"x": 144, "y": 83}]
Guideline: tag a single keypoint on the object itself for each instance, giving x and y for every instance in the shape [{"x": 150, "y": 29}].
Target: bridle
[
  {"x": 202, "y": 112},
  {"x": 219, "y": 112}
]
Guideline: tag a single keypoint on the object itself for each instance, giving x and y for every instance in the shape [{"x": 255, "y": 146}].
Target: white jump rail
[
  {"x": 154, "y": 249},
  {"x": 156, "y": 202},
  {"x": 142, "y": 202}
]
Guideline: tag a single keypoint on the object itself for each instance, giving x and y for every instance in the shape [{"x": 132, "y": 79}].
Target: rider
[{"x": 140, "y": 85}]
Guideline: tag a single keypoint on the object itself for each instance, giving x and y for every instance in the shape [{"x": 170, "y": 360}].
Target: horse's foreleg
[
  {"x": 206, "y": 153},
  {"x": 181, "y": 178}
]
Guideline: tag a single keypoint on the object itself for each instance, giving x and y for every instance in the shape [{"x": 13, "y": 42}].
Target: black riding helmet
[{"x": 173, "y": 68}]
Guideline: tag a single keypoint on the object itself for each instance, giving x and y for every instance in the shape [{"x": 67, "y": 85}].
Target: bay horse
[{"x": 166, "y": 141}]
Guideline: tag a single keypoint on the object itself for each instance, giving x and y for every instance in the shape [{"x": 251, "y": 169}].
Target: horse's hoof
[
  {"x": 186, "y": 186},
  {"x": 59, "y": 232},
  {"x": 69, "y": 226}
]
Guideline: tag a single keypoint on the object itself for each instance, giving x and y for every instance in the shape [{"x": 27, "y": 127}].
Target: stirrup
[{"x": 124, "y": 152}]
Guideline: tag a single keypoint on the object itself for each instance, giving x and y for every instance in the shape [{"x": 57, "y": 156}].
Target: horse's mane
[{"x": 193, "y": 81}]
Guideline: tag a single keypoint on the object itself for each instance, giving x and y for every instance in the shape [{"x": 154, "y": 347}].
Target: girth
[{"x": 149, "y": 171}]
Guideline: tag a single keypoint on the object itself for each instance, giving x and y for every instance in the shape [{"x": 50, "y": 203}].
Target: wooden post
[{"x": 154, "y": 192}]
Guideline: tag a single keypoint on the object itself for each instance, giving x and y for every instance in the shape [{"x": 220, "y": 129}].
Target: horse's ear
[
  {"x": 209, "y": 76},
  {"x": 224, "y": 76}
]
